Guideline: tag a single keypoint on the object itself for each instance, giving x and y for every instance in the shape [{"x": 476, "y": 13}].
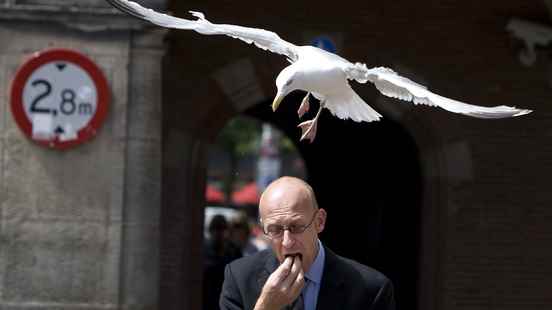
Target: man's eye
[
  {"x": 274, "y": 228},
  {"x": 294, "y": 228}
]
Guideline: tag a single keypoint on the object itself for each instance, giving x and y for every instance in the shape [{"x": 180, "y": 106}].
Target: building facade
[{"x": 117, "y": 222}]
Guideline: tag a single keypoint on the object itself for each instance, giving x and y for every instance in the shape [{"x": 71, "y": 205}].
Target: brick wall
[
  {"x": 493, "y": 221},
  {"x": 486, "y": 181}
]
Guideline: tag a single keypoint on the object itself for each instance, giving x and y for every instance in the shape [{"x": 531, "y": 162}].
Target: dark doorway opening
[{"x": 368, "y": 177}]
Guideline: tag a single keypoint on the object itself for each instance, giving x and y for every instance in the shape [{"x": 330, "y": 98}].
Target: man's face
[{"x": 289, "y": 205}]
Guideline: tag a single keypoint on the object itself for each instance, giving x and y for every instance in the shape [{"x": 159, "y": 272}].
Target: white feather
[
  {"x": 263, "y": 39},
  {"x": 322, "y": 73},
  {"x": 393, "y": 85},
  {"x": 349, "y": 105}
]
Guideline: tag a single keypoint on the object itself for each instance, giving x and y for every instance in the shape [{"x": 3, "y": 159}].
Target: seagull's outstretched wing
[
  {"x": 264, "y": 39},
  {"x": 393, "y": 85}
]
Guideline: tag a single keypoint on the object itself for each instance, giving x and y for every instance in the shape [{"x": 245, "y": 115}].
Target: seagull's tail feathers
[{"x": 349, "y": 105}]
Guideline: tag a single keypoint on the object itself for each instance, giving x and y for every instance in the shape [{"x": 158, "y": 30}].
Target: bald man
[{"x": 299, "y": 272}]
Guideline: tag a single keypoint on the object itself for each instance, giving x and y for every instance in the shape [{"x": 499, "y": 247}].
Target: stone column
[
  {"x": 184, "y": 171},
  {"x": 80, "y": 228}
]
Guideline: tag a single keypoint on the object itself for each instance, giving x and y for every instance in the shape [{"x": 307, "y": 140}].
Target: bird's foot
[
  {"x": 308, "y": 130},
  {"x": 304, "y": 107}
]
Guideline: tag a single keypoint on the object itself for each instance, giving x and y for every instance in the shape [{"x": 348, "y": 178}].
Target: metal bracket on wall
[{"x": 533, "y": 35}]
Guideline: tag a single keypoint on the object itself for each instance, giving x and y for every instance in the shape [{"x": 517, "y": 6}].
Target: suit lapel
[
  {"x": 331, "y": 295},
  {"x": 270, "y": 265}
]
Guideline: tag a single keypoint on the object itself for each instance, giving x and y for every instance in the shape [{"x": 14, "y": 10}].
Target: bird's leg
[
  {"x": 308, "y": 128},
  {"x": 304, "y": 107}
]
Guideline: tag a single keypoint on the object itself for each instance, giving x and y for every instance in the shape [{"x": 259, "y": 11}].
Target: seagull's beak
[{"x": 276, "y": 102}]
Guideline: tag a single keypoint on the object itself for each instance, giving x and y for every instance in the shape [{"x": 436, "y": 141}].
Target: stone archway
[
  {"x": 433, "y": 193},
  {"x": 383, "y": 228},
  {"x": 193, "y": 113}
]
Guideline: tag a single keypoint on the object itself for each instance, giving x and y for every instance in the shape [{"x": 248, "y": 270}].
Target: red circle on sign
[{"x": 44, "y": 57}]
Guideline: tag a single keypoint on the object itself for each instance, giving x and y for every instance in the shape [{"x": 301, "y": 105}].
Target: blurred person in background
[
  {"x": 240, "y": 234},
  {"x": 218, "y": 251},
  {"x": 245, "y": 237}
]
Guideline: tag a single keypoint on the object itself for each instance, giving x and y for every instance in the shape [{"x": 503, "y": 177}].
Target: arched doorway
[
  {"x": 245, "y": 157},
  {"x": 368, "y": 177}
]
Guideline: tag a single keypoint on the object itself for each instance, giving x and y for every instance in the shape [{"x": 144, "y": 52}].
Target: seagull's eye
[{"x": 288, "y": 83}]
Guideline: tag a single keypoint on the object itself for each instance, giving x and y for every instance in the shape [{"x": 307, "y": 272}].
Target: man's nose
[{"x": 287, "y": 239}]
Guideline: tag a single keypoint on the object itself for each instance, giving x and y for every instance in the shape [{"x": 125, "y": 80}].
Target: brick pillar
[{"x": 183, "y": 169}]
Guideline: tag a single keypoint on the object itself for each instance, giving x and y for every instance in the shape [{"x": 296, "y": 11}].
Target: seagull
[{"x": 323, "y": 74}]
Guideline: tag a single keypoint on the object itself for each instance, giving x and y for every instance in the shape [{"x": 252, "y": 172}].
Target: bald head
[
  {"x": 288, "y": 206},
  {"x": 288, "y": 191}
]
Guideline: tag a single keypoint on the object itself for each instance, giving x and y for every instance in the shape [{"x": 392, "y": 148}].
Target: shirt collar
[{"x": 315, "y": 271}]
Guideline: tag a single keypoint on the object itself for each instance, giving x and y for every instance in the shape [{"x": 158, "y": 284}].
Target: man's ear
[{"x": 320, "y": 220}]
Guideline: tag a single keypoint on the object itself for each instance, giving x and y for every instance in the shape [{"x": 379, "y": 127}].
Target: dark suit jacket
[{"x": 345, "y": 284}]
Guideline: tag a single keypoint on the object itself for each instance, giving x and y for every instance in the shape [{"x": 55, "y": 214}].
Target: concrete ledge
[{"x": 84, "y": 19}]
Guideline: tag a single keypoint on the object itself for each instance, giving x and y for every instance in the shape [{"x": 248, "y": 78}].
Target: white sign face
[
  {"x": 61, "y": 94},
  {"x": 59, "y": 98}
]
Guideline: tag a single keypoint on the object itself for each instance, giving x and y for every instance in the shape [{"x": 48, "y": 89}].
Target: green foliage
[
  {"x": 241, "y": 136},
  {"x": 287, "y": 146},
  {"x": 240, "y": 139}
]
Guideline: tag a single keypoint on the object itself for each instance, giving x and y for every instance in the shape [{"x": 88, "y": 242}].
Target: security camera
[{"x": 532, "y": 34}]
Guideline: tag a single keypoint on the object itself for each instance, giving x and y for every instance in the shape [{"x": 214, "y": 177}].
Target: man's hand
[{"x": 283, "y": 286}]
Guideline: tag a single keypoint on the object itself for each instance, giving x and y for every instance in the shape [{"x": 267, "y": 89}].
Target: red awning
[
  {"x": 247, "y": 195},
  {"x": 213, "y": 195}
]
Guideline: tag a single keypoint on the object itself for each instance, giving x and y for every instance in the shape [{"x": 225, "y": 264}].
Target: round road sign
[{"x": 59, "y": 98}]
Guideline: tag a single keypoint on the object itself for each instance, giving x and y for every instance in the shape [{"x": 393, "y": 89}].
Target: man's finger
[
  {"x": 296, "y": 268},
  {"x": 283, "y": 271},
  {"x": 298, "y": 284}
]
